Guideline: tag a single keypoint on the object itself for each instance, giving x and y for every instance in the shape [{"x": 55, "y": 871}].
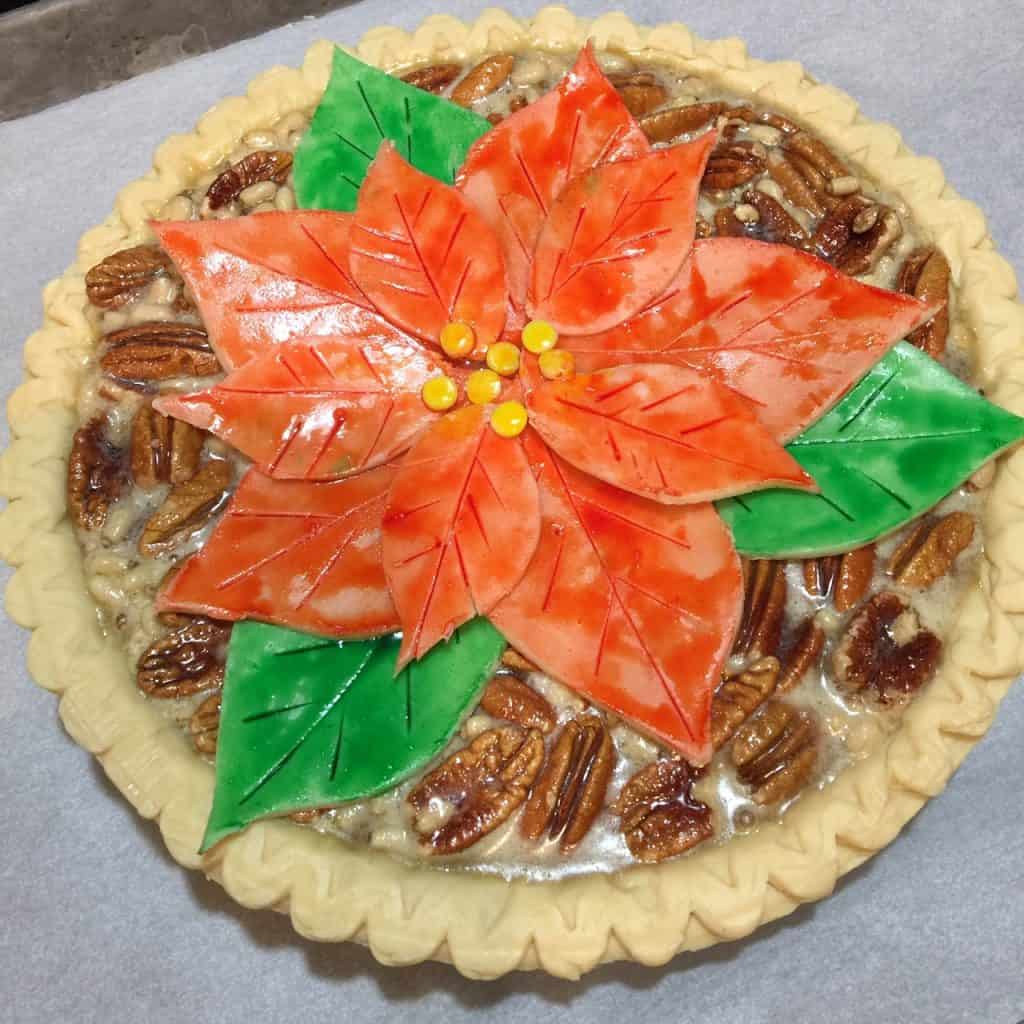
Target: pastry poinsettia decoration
[{"x": 510, "y": 387}]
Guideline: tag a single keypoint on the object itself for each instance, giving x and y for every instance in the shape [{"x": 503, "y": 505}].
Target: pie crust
[{"x": 482, "y": 924}]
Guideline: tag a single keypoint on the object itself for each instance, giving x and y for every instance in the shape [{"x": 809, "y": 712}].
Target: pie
[{"x": 546, "y": 504}]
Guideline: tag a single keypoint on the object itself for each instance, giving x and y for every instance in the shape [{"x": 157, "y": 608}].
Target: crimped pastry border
[{"x": 484, "y": 925}]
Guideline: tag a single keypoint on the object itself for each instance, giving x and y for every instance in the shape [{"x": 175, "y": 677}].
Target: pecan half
[
  {"x": 928, "y": 552},
  {"x": 862, "y": 252},
  {"x": 925, "y": 275},
  {"x": 811, "y": 149},
  {"x": 511, "y": 700},
  {"x": 487, "y": 77},
  {"x": 794, "y": 185},
  {"x": 886, "y": 650},
  {"x": 118, "y": 278},
  {"x": 764, "y": 603},
  {"x": 483, "y": 783},
  {"x": 669, "y": 124},
  {"x": 736, "y": 699},
  {"x": 802, "y": 656},
  {"x": 732, "y": 164},
  {"x": 263, "y": 165},
  {"x": 512, "y": 659},
  {"x": 435, "y": 78},
  {"x": 775, "y": 753},
  {"x": 157, "y": 351},
  {"x": 765, "y": 117},
  {"x": 164, "y": 450},
  {"x": 186, "y": 661},
  {"x": 660, "y": 816},
  {"x": 204, "y": 725},
  {"x": 834, "y": 231},
  {"x": 774, "y": 222},
  {"x": 844, "y": 578},
  {"x": 96, "y": 476},
  {"x": 728, "y": 225},
  {"x": 569, "y": 792},
  {"x": 186, "y": 508}
]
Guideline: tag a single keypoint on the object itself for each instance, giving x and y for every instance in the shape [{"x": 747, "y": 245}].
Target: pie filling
[{"x": 537, "y": 780}]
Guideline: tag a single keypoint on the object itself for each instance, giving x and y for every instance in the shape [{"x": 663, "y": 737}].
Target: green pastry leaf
[
  {"x": 308, "y": 721},
  {"x": 900, "y": 441},
  {"x": 360, "y": 108}
]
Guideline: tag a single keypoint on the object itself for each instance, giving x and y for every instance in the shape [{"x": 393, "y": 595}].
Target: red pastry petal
[
  {"x": 616, "y": 236},
  {"x": 294, "y": 553},
  {"x": 319, "y": 408},
  {"x": 663, "y": 432},
  {"x": 423, "y": 255},
  {"x": 461, "y": 525},
  {"x": 631, "y": 603},
  {"x": 513, "y": 174},
  {"x": 263, "y": 279},
  {"x": 777, "y": 326}
]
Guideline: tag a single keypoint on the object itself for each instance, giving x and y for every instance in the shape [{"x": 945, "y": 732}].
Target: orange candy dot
[
  {"x": 557, "y": 364},
  {"x": 503, "y": 358},
  {"x": 457, "y": 339},
  {"x": 509, "y": 419},
  {"x": 483, "y": 387},
  {"x": 539, "y": 336},
  {"x": 440, "y": 393}
]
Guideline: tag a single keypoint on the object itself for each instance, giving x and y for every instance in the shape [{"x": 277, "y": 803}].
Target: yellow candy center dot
[
  {"x": 557, "y": 364},
  {"x": 503, "y": 358},
  {"x": 440, "y": 393},
  {"x": 509, "y": 419},
  {"x": 457, "y": 339},
  {"x": 483, "y": 387},
  {"x": 539, "y": 336}
]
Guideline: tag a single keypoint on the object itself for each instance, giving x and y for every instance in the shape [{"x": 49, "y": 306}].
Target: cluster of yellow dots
[{"x": 483, "y": 387}]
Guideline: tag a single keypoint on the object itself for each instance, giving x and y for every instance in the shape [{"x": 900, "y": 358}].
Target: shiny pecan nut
[
  {"x": 263, "y": 165},
  {"x": 862, "y": 252},
  {"x": 928, "y": 552},
  {"x": 122, "y": 275},
  {"x": 703, "y": 228},
  {"x": 766, "y": 117},
  {"x": 728, "y": 225},
  {"x": 926, "y": 276},
  {"x": 802, "y": 656},
  {"x": 732, "y": 164},
  {"x": 435, "y": 78},
  {"x": 774, "y": 223},
  {"x": 570, "y": 790},
  {"x": 481, "y": 785},
  {"x": 776, "y": 752},
  {"x": 186, "y": 508},
  {"x": 486, "y": 78},
  {"x": 669, "y": 124},
  {"x": 512, "y": 700},
  {"x": 794, "y": 185},
  {"x": 640, "y": 91},
  {"x": 886, "y": 650},
  {"x": 204, "y": 725},
  {"x": 163, "y": 450},
  {"x": 157, "y": 351},
  {"x": 813, "y": 151},
  {"x": 96, "y": 476},
  {"x": 843, "y": 578},
  {"x": 764, "y": 604},
  {"x": 738, "y": 697},
  {"x": 186, "y": 661},
  {"x": 660, "y": 816},
  {"x": 512, "y": 659},
  {"x": 835, "y": 229}
]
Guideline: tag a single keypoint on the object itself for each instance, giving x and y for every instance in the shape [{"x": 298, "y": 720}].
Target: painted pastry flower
[{"x": 516, "y": 397}]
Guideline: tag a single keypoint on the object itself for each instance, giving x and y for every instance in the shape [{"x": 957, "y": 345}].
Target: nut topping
[
  {"x": 835, "y": 229},
  {"x": 763, "y": 117},
  {"x": 660, "y": 816},
  {"x": 930, "y": 549},
  {"x": 186, "y": 508},
  {"x": 487, "y": 77},
  {"x": 157, "y": 351},
  {"x": 482, "y": 783},
  {"x": 511, "y": 700},
  {"x": 863, "y": 251},
  {"x": 764, "y": 602},
  {"x": 793, "y": 184},
  {"x": 774, "y": 222},
  {"x": 776, "y": 752},
  {"x": 263, "y": 165},
  {"x": 736, "y": 699},
  {"x": 512, "y": 659},
  {"x": 728, "y": 225},
  {"x": 885, "y": 649},
  {"x": 186, "y": 661},
  {"x": 640, "y": 91},
  {"x": 925, "y": 275},
  {"x": 569, "y": 792},
  {"x": 802, "y": 656},
  {"x": 204, "y": 725},
  {"x": 118, "y": 278},
  {"x": 95, "y": 476},
  {"x": 164, "y": 450},
  {"x": 435, "y": 78},
  {"x": 844, "y": 578},
  {"x": 812, "y": 150},
  {"x": 734, "y": 163},
  {"x": 669, "y": 124}
]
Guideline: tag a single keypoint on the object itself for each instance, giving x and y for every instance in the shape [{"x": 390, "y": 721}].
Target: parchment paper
[{"x": 98, "y": 924}]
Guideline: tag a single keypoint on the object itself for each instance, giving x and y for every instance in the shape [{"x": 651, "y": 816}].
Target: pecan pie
[{"x": 219, "y": 538}]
